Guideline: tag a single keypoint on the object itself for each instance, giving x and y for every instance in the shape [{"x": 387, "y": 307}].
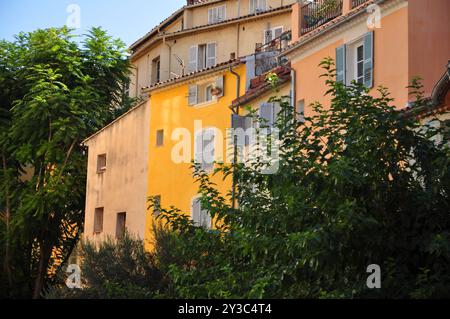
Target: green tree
[
  {"x": 358, "y": 184},
  {"x": 54, "y": 93}
]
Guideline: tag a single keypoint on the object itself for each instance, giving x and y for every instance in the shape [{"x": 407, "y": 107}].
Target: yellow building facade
[{"x": 177, "y": 118}]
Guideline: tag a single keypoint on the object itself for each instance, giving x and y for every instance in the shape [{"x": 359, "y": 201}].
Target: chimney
[{"x": 191, "y": 2}]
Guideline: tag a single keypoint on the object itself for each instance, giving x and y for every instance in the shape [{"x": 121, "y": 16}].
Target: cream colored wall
[{"x": 123, "y": 186}]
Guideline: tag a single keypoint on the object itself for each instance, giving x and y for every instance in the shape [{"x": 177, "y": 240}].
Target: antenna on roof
[{"x": 181, "y": 62}]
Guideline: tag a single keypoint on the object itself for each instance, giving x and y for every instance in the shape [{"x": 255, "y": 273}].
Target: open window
[
  {"x": 121, "y": 225},
  {"x": 206, "y": 91},
  {"x": 98, "y": 220},
  {"x": 202, "y": 56}
]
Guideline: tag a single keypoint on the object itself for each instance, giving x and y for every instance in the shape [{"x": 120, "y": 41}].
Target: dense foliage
[
  {"x": 358, "y": 184},
  {"x": 113, "y": 270},
  {"x": 54, "y": 92}
]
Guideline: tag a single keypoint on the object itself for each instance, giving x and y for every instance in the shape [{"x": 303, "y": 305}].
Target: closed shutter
[
  {"x": 193, "y": 94},
  {"x": 210, "y": 16},
  {"x": 340, "y": 64},
  {"x": 193, "y": 58},
  {"x": 368, "y": 59},
  {"x": 222, "y": 13},
  {"x": 266, "y": 114},
  {"x": 198, "y": 148},
  {"x": 268, "y": 36},
  {"x": 241, "y": 123},
  {"x": 208, "y": 151},
  {"x": 211, "y": 55},
  {"x": 262, "y": 5},
  {"x": 196, "y": 209},
  {"x": 252, "y": 6},
  {"x": 278, "y": 32},
  {"x": 220, "y": 85}
]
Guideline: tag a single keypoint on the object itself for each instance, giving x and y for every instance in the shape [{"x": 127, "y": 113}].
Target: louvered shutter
[
  {"x": 193, "y": 58},
  {"x": 208, "y": 152},
  {"x": 193, "y": 94},
  {"x": 196, "y": 210},
  {"x": 340, "y": 64},
  {"x": 220, "y": 85},
  {"x": 211, "y": 55},
  {"x": 368, "y": 60}
]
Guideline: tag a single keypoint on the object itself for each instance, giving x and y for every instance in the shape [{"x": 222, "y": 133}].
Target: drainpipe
[{"x": 238, "y": 89}]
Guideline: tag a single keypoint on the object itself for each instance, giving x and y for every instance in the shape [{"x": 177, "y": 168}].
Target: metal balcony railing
[
  {"x": 356, "y": 3},
  {"x": 319, "y": 12}
]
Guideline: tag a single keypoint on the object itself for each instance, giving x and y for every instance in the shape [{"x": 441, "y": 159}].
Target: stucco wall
[
  {"x": 429, "y": 40},
  {"x": 173, "y": 181},
  {"x": 390, "y": 57},
  {"x": 122, "y": 187}
]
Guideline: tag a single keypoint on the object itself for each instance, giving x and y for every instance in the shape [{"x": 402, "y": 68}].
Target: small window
[
  {"x": 200, "y": 217},
  {"x": 272, "y": 34},
  {"x": 160, "y": 138},
  {"x": 157, "y": 206},
  {"x": 101, "y": 163},
  {"x": 121, "y": 225},
  {"x": 98, "y": 220}
]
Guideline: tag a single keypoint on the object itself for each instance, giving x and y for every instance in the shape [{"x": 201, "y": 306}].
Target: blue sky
[{"x": 124, "y": 19}]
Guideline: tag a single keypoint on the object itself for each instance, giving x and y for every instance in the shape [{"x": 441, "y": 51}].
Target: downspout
[{"x": 238, "y": 90}]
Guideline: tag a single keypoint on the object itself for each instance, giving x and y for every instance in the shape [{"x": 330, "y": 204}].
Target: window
[
  {"x": 206, "y": 91},
  {"x": 157, "y": 206},
  {"x": 160, "y": 138},
  {"x": 98, "y": 220},
  {"x": 272, "y": 34},
  {"x": 101, "y": 163},
  {"x": 202, "y": 56},
  {"x": 204, "y": 149},
  {"x": 156, "y": 70},
  {"x": 121, "y": 225},
  {"x": 200, "y": 216},
  {"x": 257, "y": 6},
  {"x": 217, "y": 14},
  {"x": 359, "y": 64},
  {"x": 355, "y": 62}
]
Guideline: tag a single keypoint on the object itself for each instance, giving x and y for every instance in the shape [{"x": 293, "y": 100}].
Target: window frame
[
  {"x": 203, "y": 212},
  {"x": 207, "y": 167},
  {"x": 101, "y": 169},
  {"x": 213, "y": 14},
  {"x": 98, "y": 221}
]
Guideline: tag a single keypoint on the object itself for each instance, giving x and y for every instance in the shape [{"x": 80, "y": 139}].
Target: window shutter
[
  {"x": 252, "y": 6},
  {"x": 266, "y": 113},
  {"x": 222, "y": 13},
  {"x": 340, "y": 64},
  {"x": 210, "y": 16},
  {"x": 196, "y": 208},
  {"x": 262, "y": 5},
  {"x": 193, "y": 57},
  {"x": 211, "y": 54},
  {"x": 220, "y": 85},
  {"x": 193, "y": 95},
  {"x": 278, "y": 32},
  {"x": 198, "y": 148},
  {"x": 208, "y": 139},
  {"x": 268, "y": 36},
  {"x": 368, "y": 59}
]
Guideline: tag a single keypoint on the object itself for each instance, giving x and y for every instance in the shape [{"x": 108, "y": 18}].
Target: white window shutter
[
  {"x": 368, "y": 60},
  {"x": 220, "y": 85},
  {"x": 193, "y": 94},
  {"x": 196, "y": 208},
  {"x": 252, "y": 6},
  {"x": 193, "y": 58},
  {"x": 278, "y": 32},
  {"x": 211, "y": 54},
  {"x": 222, "y": 13},
  {"x": 198, "y": 148},
  {"x": 211, "y": 16},
  {"x": 208, "y": 152}
]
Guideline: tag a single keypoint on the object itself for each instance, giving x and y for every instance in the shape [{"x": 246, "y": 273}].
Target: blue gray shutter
[
  {"x": 368, "y": 60},
  {"x": 193, "y": 59},
  {"x": 196, "y": 209},
  {"x": 340, "y": 64},
  {"x": 266, "y": 113},
  {"x": 244, "y": 123},
  {"x": 211, "y": 49}
]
